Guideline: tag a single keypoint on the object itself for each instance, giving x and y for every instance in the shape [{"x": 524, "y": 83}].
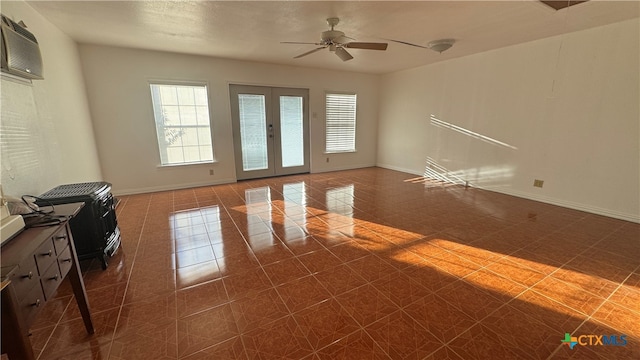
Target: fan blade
[
  {"x": 302, "y": 43},
  {"x": 309, "y": 52},
  {"x": 343, "y": 39},
  {"x": 343, "y": 54},
  {"x": 366, "y": 45},
  {"x": 407, "y": 43}
]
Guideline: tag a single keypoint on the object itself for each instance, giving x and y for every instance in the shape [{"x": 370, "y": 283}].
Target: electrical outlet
[
  {"x": 538, "y": 183},
  {"x": 211, "y": 172}
]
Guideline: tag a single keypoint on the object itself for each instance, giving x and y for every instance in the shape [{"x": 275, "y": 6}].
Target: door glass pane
[
  {"x": 253, "y": 132},
  {"x": 291, "y": 131}
]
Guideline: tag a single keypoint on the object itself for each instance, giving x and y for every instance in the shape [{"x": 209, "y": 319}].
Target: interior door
[{"x": 270, "y": 131}]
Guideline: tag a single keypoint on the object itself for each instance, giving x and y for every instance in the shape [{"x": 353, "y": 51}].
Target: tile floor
[{"x": 358, "y": 264}]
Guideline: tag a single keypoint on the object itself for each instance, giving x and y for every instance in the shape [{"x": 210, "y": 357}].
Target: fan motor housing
[{"x": 330, "y": 35}]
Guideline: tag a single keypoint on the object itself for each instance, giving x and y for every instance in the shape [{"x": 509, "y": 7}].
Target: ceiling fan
[{"x": 337, "y": 42}]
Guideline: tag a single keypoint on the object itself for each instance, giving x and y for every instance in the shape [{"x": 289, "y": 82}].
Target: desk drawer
[
  {"x": 51, "y": 280},
  {"x": 31, "y": 304},
  {"x": 25, "y": 277},
  {"x": 65, "y": 261},
  {"x": 45, "y": 256},
  {"x": 61, "y": 240}
]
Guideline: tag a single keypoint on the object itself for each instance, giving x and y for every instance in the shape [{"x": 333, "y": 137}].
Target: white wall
[
  {"x": 567, "y": 107},
  {"x": 117, "y": 85},
  {"x": 45, "y": 127}
]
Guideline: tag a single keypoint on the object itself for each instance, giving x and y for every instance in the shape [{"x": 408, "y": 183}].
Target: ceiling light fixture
[{"x": 441, "y": 45}]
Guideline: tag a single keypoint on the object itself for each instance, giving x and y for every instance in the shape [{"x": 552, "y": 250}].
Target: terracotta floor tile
[
  {"x": 479, "y": 342},
  {"x": 39, "y": 338},
  {"x": 117, "y": 272},
  {"x": 286, "y": 271},
  {"x": 627, "y": 296},
  {"x": 92, "y": 352},
  {"x": 255, "y": 310},
  {"x": 272, "y": 253},
  {"x": 138, "y": 346},
  {"x": 231, "y": 247},
  {"x": 246, "y": 283},
  {"x": 568, "y": 295},
  {"x": 302, "y": 245},
  {"x": 619, "y": 318},
  {"x": 401, "y": 289},
  {"x": 53, "y": 311},
  {"x": 366, "y": 304},
  {"x": 319, "y": 260},
  {"x": 201, "y": 297},
  {"x": 349, "y": 251},
  {"x": 402, "y": 337},
  {"x": 325, "y": 323},
  {"x": 590, "y": 283},
  {"x": 547, "y": 311},
  {"x": 355, "y": 346},
  {"x": 197, "y": 274},
  {"x": 231, "y": 349},
  {"x": 394, "y": 269},
  {"x": 282, "y": 339},
  {"x": 340, "y": 279},
  {"x": 430, "y": 277},
  {"x": 444, "y": 353},
  {"x": 461, "y": 293},
  {"x": 191, "y": 242},
  {"x": 499, "y": 286},
  {"x": 101, "y": 299},
  {"x": 153, "y": 317},
  {"x": 71, "y": 337},
  {"x": 236, "y": 263},
  {"x": 372, "y": 267},
  {"x": 603, "y": 264},
  {"x": 438, "y": 316},
  {"x": 509, "y": 324},
  {"x": 453, "y": 264},
  {"x": 302, "y": 293},
  {"x": 206, "y": 328},
  {"x": 515, "y": 272}
]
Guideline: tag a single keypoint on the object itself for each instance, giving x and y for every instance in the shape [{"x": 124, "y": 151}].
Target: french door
[{"x": 270, "y": 130}]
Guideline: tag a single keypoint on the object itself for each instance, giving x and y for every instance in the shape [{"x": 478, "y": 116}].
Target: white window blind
[
  {"x": 181, "y": 115},
  {"x": 340, "y": 123}
]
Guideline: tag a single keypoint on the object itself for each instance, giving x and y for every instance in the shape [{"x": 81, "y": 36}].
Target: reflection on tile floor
[{"x": 349, "y": 265}]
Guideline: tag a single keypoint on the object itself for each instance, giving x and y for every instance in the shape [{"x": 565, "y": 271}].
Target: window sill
[
  {"x": 171, "y": 166},
  {"x": 340, "y": 152}
]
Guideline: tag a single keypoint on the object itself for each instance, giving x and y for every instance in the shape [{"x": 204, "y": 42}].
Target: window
[
  {"x": 341, "y": 123},
  {"x": 181, "y": 114}
]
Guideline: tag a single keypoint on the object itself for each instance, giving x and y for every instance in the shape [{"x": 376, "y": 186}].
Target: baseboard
[
  {"x": 568, "y": 204},
  {"x": 396, "y": 168},
  {"x": 342, "y": 168},
  {"x": 121, "y": 192}
]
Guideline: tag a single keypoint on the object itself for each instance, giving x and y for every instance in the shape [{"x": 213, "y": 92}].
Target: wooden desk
[{"x": 34, "y": 264}]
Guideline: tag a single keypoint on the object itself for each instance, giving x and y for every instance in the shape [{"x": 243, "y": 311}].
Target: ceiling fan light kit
[{"x": 441, "y": 45}]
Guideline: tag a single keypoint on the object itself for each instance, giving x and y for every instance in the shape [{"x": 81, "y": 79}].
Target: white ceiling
[{"x": 252, "y": 30}]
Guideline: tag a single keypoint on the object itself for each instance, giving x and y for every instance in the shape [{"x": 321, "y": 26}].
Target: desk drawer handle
[
  {"x": 48, "y": 253},
  {"x": 55, "y": 277},
  {"x": 66, "y": 260},
  {"x": 61, "y": 237},
  {"x": 37, "y": 303},
  {"x": 29, "y": 275}
]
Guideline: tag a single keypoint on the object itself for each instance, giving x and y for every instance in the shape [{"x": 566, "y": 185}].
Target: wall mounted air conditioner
[{"x": 20, "y": 50}]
